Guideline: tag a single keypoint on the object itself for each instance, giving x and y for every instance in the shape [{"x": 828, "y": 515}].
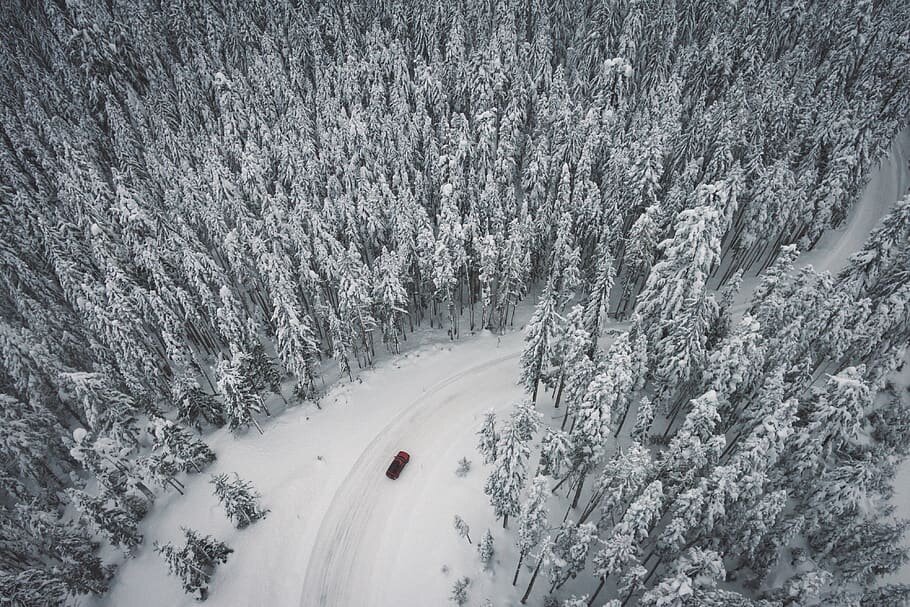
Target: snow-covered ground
[{"x": 340, "y": 533}]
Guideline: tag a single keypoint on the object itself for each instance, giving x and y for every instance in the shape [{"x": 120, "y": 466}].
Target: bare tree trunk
[
  {"x": 581, "y": 483},
  {"x": 527, "y": 593},
  {"x": 562, "y": 382},
  {"x": 600, "y": 586},
  {"x": 521, "y": 558}
]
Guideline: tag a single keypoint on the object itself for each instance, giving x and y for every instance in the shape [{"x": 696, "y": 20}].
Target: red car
[{"x": 398, "y": 463}]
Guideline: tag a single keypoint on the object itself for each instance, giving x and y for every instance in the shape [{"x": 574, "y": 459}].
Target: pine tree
[
  {"x": 392, "y": 297},
  {"x": 189, "y": 452},
  {"x": 194, "y": 404},
  {"x": 239, "y": 498},
  {"x": 555, "y": 450},
  {"x": 672, "y": 308},
  {"x": 489, "y": 438},
  {"x": 34, "y": 586},
  {"x": 644, "y": 417},
  {"x": 486, "y": 550},
  {"x": 238, "y": 389},
  {"x": 459, "y": 594},
  {"x": 597, "y": 306},
  {"x": 834, "y": 421},
  {"x": 117, "y": 526},
  {"x": 540, "y": 337},
  {"x": 532, "y": 521},
  {"x": 462, "y": 528},
  {"x": 525, "y": 419},
  {"x": 195, "y": 562},
  {"x": 505, "y": 482},
  {"x": 568, "y": 553}
]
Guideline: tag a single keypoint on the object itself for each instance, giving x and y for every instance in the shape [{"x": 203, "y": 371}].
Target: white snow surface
[{"x": 339, "y": 532}]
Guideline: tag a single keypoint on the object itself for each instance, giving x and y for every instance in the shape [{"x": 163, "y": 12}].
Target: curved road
[{"x": 369, "y": 512}]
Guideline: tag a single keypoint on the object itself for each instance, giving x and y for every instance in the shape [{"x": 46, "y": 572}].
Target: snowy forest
[{"x": 211, "y": 206}]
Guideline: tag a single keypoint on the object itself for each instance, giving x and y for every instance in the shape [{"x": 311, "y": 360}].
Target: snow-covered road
[{"x": 370, "y": 515}]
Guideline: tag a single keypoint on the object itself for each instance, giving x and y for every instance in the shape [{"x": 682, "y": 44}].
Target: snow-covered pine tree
[
  {"x": 489, "y": 438},
  {"x": 567, "y": 554},
  {"x": 116, "y": 525},
  {"x": 540, "y": 338},
  {"x": 190, "y": 453},
  {"x": 194, "y": 405},
  {"x": 238, "y": 391},
  {"x": 597, "y": 306},
  {"x": 33, "y": 538},
  {"x": 671, "y": 308},
  {"x": 462, "y": 528},
  {"x": 644, "y": 417},
  {"x": 459, "y": 594},
  {"x": 619, "y": 553},
  {"x": 555, "y": 450},
  {"x": 508, "y": 477},
  {"x": 576, "y": 367},
  {"x": 486, "y": 550},
  {"x": 195, "y": 562},
  {"x": 532, "y": 521},
  {"x": 38, "y": 586},
  {"x": 834, "y": 421},
  {"x": 621, "y": 479},
  {"x": 525, "y": 419},
  {"x": 239, "y": 498},
  {"x": 390, "y": 294}
]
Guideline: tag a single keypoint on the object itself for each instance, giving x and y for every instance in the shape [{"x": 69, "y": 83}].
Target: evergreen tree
[
  {"x": 194, "y": 404},
  {"x": 505, "y": 482},
  {"x": 540, "y": 337},
  {"x": 568, "y": 553},
  {"x": 597, "y": 306},
  {"x": 673, "y": 306},
  {"x": 462, "y": 528},
  {"x": 486, "y": 550},
  {"x": 239, "y": 498},
  {"x": 189, "y": 452},
  {"x": 532, "y": 521},
  {"x": 238, "y": 389},
  {"x": 489, "y": 438},
  {"x": 459, "y": 594},
  {"x": 195, "y": 562},
  {"x": 555, "y": 450},
  {"x": 117, "y": 526}
]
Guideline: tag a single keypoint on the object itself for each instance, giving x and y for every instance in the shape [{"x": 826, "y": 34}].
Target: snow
[
  {"x": 339, "y": 532},
  {"x": 332, "y": 508},
  {"x": 887, "y": 184}
]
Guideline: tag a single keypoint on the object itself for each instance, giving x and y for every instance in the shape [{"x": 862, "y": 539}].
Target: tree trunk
[
  {"x": 656, "y": 565},
  {"x": 521, "y": 558},
  {"x": 565, "y": 417},
  {"x": 600, "y": 586},
  {"x": 622, "y": 420},
  {"x": 527, "y": 593},
  {"x": 581, "y": 483},
  {"x": 562, "y": 382},
  {"x": 629, "y": 596}
]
